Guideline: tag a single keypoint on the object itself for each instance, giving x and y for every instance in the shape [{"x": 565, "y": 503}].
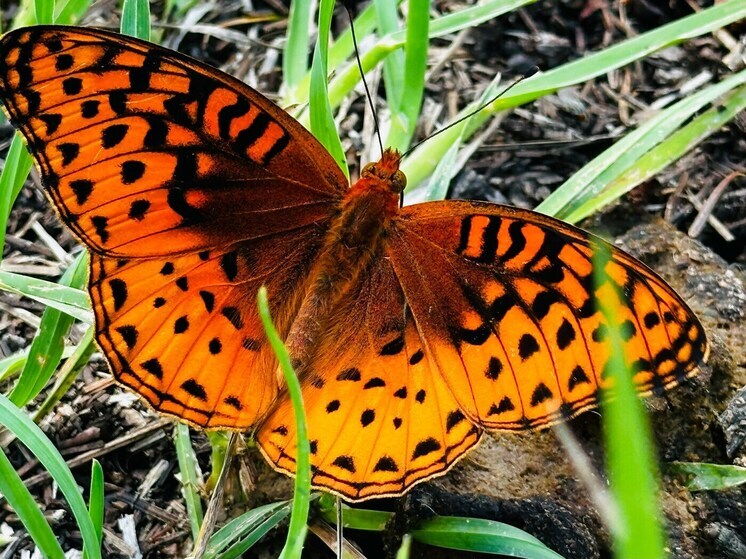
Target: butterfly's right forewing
[{"x": 510, "y": 305}]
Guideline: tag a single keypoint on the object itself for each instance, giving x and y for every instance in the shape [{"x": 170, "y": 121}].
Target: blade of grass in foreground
[
  {"x": 42, "y": 448},
  {"x": 136, "y": 19},
  {"x": 301, "y": 496},
  {"x": 96, "y": 502},
  {"x": 22, "y": 503},
  {"x": 628, "y": 441}
]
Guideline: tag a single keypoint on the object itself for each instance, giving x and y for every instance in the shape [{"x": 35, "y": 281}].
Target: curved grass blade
[
  {"x": 406, "y": 109},
  {"x": 301, "y": 496},
  {"x": 49, "y": 343},
  {"x": 96, "y": 502},
  {"x": 481, "y": 536},
  {"x": 76, "y": 360},
  {"x": 628, "y": 443},
  {"x": 136, "y": 19},
  {"x": 387, "y": 20},
  {"x": 22, "y": 503},
  {"x": 42, "y": 448},
  {"x": 295, "y": 53},
  {"x": 421, "y": 162},
  {"x": 322, "y": 120},
  {"x": 14, "y": 173},
  {"x": 189, "y": 477},
  {"x": 241, "y": 533},
  {"x": 73, "y": 302},
  {"x": 635, "y": 157}
]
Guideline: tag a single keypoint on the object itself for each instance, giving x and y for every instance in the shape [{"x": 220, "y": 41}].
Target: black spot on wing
[
  {"x": 386, "y": 464},
  {"x": 193, "y": 388},
  {"x": 425, "y": 447}
]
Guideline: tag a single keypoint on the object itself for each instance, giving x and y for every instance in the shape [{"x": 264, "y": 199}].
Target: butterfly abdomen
[{"x": 354, "y": 239}]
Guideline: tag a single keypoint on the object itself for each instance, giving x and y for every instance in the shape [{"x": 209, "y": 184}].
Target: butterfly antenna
[
  {"x": 518, "y": 80},
  {"x": 362, "y": 75}
]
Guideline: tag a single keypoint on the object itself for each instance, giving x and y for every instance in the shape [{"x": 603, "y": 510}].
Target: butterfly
[{"x": 413, "y": 329}]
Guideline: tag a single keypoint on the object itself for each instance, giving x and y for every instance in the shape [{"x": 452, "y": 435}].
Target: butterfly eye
[
  {"x": 400, "y": 180},
  {"x": 368, "y": 169}
]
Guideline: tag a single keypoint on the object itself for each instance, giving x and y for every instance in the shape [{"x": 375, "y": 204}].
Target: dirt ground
[{"x": 526, "y": 481}]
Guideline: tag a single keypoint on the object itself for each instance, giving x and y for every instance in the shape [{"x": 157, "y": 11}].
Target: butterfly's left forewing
[
  {"x": 147, "y": 152},
  {"x": 191, "y": 190}
]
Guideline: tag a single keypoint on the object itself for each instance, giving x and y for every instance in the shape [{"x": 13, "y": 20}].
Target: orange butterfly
[{"x": 413, "y": 329}]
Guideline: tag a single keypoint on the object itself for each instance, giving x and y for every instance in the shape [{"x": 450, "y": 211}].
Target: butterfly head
[{"x": 387, "y": 171}]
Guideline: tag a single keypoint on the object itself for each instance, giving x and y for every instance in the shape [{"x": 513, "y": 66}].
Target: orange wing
[
  {"x": 146, "y": 152},
  {"x": 380, "y": 417},
  {"x": 477, "y": 316},
  {"x": 192, "y": 190},
  {"x": 517, "y": 335}
]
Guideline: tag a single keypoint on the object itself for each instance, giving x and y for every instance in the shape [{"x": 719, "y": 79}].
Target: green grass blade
[
  {"x": 49, "y": 342},
  {"x": 346, "y": 79},
  {"x": 664, "y": 154},
  {"x": 295, "y": 53},
  {"x": 340, "y": 51},
  {"x": 76, "y": 360},
  {"x": 31, "y": 516},
  {"x": 628, "y": 442},
  {"x": 71, "y": 11},
  {"x": 43, "y": 449},
  {"x": 301, "y": 496},
  {"x": 13, "y": 364},
  {"x": 481, "y": 536},
  {"x": 708, "y": 477},
  {"x": 406, "y": 111},
  {"x": 14, "y": 173},
  {"x": 421, "y": 162},
  {"x": 405, "y": 548},
  {"x": 394, "y": 75},
  {"x": 356, "y": 519},
  {"x": 239, "y": 534},
  {"x": 136, "y": 19},
  {"x": 44, "y": 10},
  {"x": 189, "y": 477},
  {"x": 73, "y": 302},
  {"x": 621, "y": 166},
  {"x": 96, "y": 502},
  {"x": 322, "y": 120}
]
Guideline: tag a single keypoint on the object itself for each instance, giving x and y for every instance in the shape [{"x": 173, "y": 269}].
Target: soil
[{"x": 527, "y": 480}]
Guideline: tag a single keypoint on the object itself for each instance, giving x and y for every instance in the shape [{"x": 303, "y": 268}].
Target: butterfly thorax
[{"x": 354, "y": 240}]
